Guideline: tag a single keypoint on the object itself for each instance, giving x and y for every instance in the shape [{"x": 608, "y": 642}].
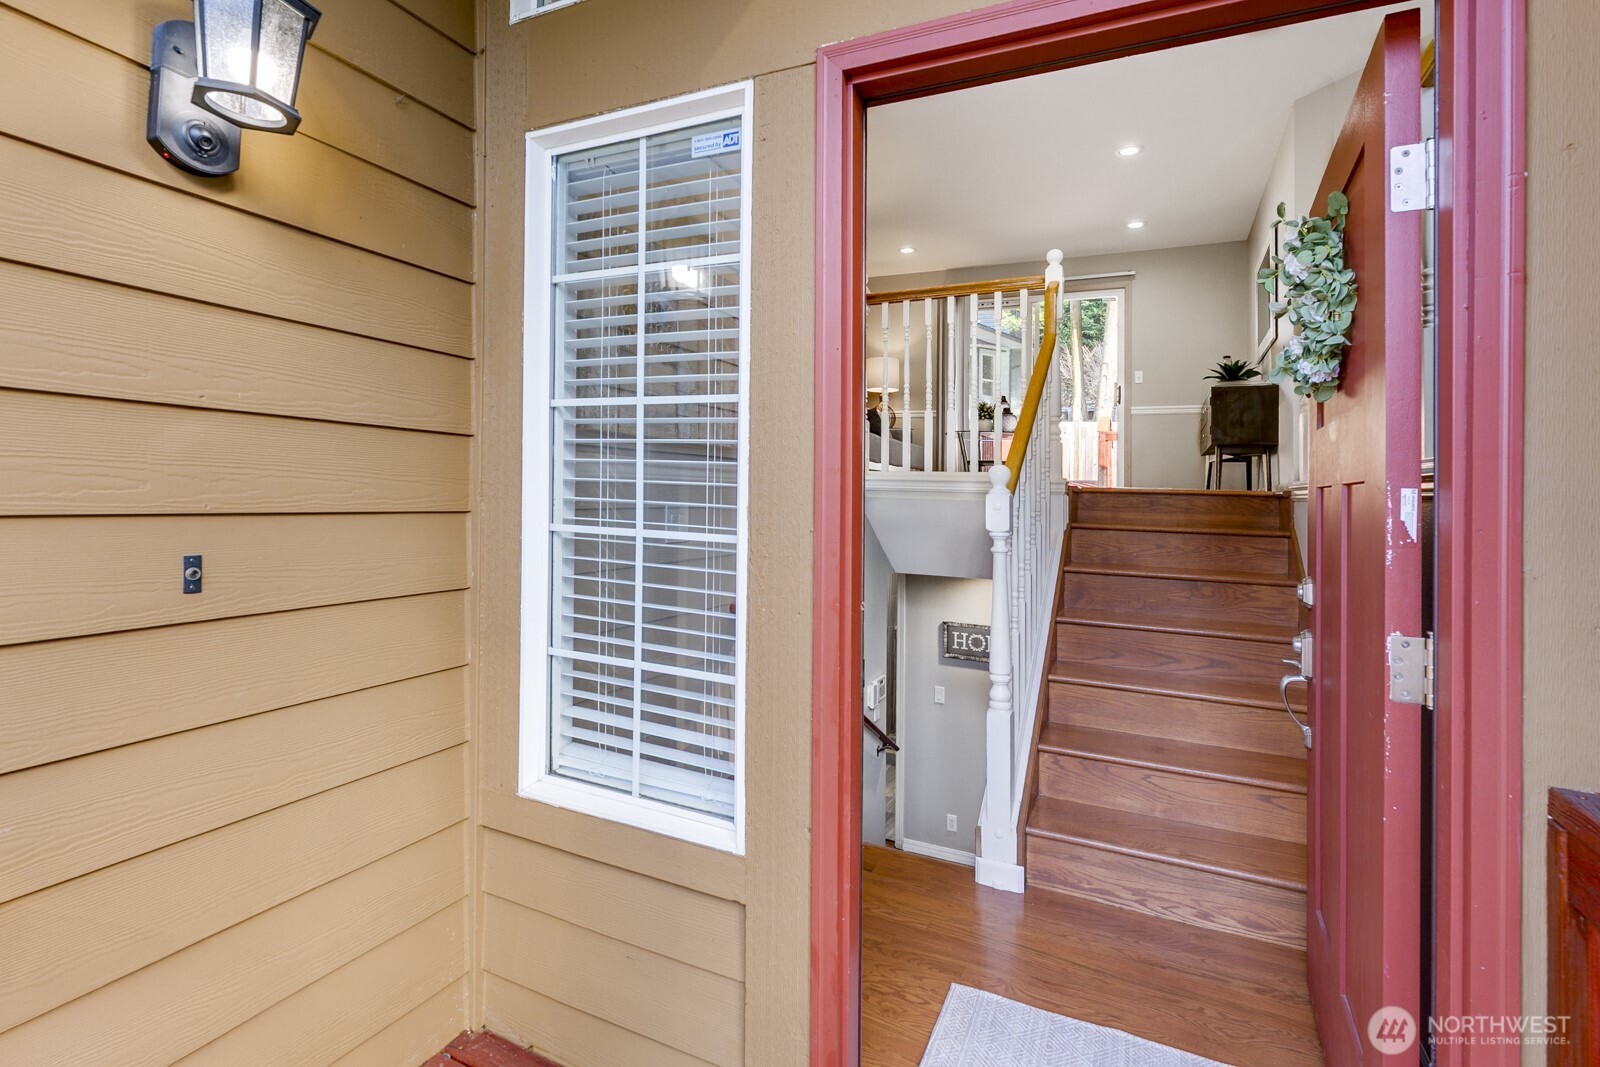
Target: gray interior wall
[
  {"x": 1308, "y": 139},
  {"x": 1186, "y": 315},
  {"x": 941, "y": 765},
  {"x": 876, "y": 582},
  {"x": 876, "y": 577}
]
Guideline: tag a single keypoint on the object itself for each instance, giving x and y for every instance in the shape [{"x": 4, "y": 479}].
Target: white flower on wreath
[
  {"x": 1294, "y": 268},
  {"x": 1309, "y": 310},
  {"x": 1315, "y": 371}
]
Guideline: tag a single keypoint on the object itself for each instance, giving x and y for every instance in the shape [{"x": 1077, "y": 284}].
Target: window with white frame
[{"x": 634, "y": 466}]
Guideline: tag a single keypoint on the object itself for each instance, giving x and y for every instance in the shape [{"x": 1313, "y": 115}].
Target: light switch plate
[
  {"x": 938, "y": 694},
  {"x": 1138, "y": 377}
]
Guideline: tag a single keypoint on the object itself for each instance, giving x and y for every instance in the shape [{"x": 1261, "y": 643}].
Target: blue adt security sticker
[{"x": 710, "y": 144}]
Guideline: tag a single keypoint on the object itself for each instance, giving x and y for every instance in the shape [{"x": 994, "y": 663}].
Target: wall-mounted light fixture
[{"x": 236, "y": 66}]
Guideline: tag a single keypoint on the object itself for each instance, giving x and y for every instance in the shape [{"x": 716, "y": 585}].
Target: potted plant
[
  {"x": 1231, "y": 371},
  {"x": 985, "y": 415}
]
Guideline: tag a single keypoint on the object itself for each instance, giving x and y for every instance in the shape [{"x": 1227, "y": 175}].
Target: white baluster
[
  {"x": 866, "y": 386},
  {"x": 885, "y": 418},
  {"x": 905, "y": 383},
  {"x": 972, "y": 383},
  {"x": 927, "y": 385},
  {"x": 952, "y": 369},
  {"x": 1000, "y": 354}
]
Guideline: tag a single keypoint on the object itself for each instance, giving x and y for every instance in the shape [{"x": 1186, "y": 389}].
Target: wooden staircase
[{"x": 1166, "y": 777}]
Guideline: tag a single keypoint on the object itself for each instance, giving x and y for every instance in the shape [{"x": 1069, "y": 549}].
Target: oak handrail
[
  {"x": 939, "y": 292},
  {"x": 1036, "y": 384}
]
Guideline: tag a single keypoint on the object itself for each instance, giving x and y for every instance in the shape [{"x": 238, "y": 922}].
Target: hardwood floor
[{"x": 927, "y": 924}]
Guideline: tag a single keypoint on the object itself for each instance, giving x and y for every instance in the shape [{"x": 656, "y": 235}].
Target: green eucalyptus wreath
[{"x": 1317, "y": 293}]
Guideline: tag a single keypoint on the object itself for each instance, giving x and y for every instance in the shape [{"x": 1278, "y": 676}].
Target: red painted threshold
[{"x": 484, "y": 1049}]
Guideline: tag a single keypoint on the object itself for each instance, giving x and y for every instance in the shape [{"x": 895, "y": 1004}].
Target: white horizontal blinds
[
  {"x": 695, "y": 192},
  {"x": 648, "y": 321},
  {"x": 597, "y": 209}
]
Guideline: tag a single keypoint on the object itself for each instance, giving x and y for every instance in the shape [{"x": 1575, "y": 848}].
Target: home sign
[{"x": 965, "y": 640}]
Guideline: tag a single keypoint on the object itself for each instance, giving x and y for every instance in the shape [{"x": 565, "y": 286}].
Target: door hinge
[
  {"x": 1411, "y": 669},
  {"x": 1411, "y": 176}
]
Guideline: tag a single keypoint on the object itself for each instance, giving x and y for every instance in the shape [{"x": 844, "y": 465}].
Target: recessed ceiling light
[
  {"x": 1129, "y": 150},
  {"x": 1136, "y": 224},
  {"x": 906, "y": 250}
]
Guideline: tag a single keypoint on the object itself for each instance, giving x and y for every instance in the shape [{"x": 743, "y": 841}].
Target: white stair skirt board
[
  {"x": 997, "y": 874},
  {"x": 978, "y": 1029}
]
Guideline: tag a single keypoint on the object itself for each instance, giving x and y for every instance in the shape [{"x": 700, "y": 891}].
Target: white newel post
[
  {"x": 997, "y": 847},
  {"x": 1022, "y": 552}
]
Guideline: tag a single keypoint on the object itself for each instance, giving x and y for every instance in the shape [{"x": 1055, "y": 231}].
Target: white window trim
[
  {"x": 534, "y": 781},
  {"x": 522, "y": 10}
]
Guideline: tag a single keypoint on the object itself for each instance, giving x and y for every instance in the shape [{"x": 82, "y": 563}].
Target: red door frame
[{"x": 1482, "y": 78}]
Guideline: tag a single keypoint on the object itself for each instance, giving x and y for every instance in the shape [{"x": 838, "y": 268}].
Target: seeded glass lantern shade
[{"x": 250, "y": 58}]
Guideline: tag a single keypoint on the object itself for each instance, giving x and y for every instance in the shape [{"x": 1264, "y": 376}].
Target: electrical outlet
[
  {"x": 1138, "y": 377},
  {"x": 950, "y": 823},
  {"x": 938, "y": 694}
]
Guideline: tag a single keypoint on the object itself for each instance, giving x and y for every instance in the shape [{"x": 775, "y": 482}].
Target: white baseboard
[
  {"x": 997, "y": 874},
  {"x": 939, "y": 852}
]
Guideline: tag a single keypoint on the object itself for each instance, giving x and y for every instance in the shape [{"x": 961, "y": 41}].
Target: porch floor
[{"x": 927, "y": 924}]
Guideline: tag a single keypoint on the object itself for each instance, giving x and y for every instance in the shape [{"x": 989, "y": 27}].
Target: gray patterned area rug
[{"x": 978, "y": 1029}]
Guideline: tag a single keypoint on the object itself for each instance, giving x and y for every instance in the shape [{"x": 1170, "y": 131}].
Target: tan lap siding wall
[
  {"x": 604, "y": 945},
  {"x": 235, "y": 827},
  {"x": 1561, "y": 503}
]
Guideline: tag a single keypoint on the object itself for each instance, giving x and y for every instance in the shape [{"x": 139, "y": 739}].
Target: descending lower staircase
[{"x": 1167, "y": 777}]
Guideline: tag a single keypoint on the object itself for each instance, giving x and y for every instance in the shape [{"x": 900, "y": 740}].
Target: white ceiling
[{"x": 1001, "y": 173}]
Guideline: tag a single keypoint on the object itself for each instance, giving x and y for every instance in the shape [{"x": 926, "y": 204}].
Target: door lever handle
[{"x": 1283, "y": 694}]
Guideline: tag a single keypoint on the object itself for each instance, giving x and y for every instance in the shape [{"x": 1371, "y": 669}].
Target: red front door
[{"x": 1365, "y": 864}]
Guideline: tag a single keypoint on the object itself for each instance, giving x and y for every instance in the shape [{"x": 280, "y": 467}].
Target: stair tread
[
  {"x": 1243, "y": 629},
  {"x": 1284, "y": 773},
  {"x": 1235, "y": 577},
  {"x": 1209, "y": 494},
  {"x": 1197, "y": 531},
  {"x": 1165, "y": 683},
  {"x": 1237, "y": 855}
]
